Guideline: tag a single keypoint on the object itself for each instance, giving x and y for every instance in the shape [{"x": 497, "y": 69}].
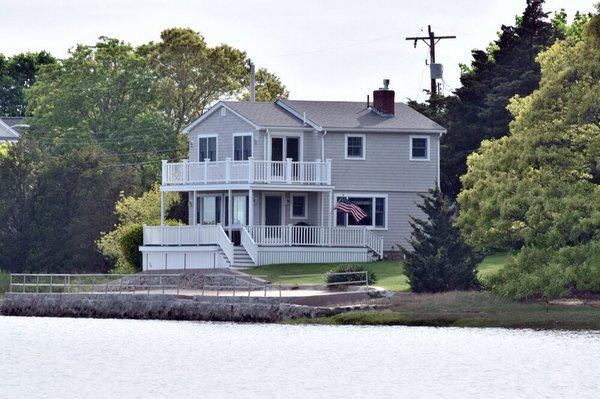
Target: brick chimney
[{"x": 383, "y": 99}]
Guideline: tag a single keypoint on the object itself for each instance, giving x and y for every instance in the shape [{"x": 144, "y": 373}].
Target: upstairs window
[
  {"x": 207, "y": 148},
  {"x": 355, "y": 146},
  {"x": 419, "y": 148},
  {"x": 242, "y": 147}
]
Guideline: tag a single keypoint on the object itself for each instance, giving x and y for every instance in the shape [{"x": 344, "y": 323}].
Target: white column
[
  {"x": 162, "y": 208},
  {"x": 230, "y": 211},
  {"x": 250, "y": 207},
  {"x": 330, "y": 209},
  {"x": 195, "y": 209}
]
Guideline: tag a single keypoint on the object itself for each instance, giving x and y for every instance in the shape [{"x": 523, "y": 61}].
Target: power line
[
  {"x": 322, "y": 50},
  {"x": 431, "y": 40}
]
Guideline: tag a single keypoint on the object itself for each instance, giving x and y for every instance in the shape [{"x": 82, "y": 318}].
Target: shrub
[
  {"x": 130, "y": 239},
  {"x": 549, "y": 273},
  {"x": 4, "y": 282},
  {"x": 356, "y": 274}
]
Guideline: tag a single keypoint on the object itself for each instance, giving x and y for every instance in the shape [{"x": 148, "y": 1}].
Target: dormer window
[
  {"x": 355, "y": 146},
  {"x": 419, "y": 148}
]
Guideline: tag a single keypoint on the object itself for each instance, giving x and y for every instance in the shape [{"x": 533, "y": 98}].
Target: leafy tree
[
  {"x": 18, "y": 175},
  {"x": 268, "y": 87},
  {"x": 131, "y": 213},
  {"x": 103, "y": 95},
  {"x": 539, "y": 188},
  {"x": 194, "y": 75},
  {"x": 18, "y": 73},
  {"x": 439, "y": 259}
]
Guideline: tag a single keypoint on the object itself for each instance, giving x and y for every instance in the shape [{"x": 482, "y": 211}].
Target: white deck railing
[
  {"x": 316, "y": 236},
  {"x": 253, "y": 237},
  {"x": 189, "y": 235},
  {"x": 250, "y": 171}
]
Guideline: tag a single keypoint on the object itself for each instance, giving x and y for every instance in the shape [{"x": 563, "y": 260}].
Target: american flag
[{"x": 348, "y": 207}]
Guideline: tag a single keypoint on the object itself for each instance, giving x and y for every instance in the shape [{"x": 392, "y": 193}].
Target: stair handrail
[
  {"x": 225, "y": 243},
  {"x": 249, "y": 245}
]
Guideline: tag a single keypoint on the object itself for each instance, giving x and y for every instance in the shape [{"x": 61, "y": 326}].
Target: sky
[{"x": 321, "y": 50}]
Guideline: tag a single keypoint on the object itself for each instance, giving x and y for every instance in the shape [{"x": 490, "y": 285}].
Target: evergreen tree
[
  {"x": 477, "y": 110},
  {"x": 439, "y": 259}
]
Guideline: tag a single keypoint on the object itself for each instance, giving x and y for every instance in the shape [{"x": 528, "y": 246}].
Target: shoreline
[{"x": 469, "y": 309}]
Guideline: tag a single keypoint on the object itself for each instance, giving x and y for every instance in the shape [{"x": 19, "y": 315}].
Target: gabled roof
[
  {"x": 356, "y": 116},
  {"x": 7, "y": 131},
  {"x": 325, "y": 115}
]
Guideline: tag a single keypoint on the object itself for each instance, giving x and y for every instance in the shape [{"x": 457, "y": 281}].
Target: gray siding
[
  {"x": 224, "y": 127},
  {"x": 387, "y": 166}
]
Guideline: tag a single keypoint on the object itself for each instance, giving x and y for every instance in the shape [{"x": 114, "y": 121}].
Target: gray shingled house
[{"x": 264, "y": 179}]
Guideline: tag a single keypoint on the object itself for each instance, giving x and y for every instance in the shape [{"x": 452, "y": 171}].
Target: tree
[
  {"x": 18, "y": 73},
  {"x": 18, "y": 175},
  {"x": 268, "y": 87},
  {"x": 538, "y": 189},
  {"x": 106, "y": 96},
  {"x": 477, "y": 110},
  {"x": 439, "y": 259},
  {"x": 131, "y": 213},
  {"x": 194, "y": 75}
]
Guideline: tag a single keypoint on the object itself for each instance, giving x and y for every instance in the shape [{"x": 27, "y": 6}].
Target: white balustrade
[
  {"x": 249, "y": 244},
  {"x": 250, "y": 171},
  {"x": 316, "y": 236}
]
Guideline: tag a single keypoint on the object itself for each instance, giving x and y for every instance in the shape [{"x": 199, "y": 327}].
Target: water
[{"x": 87, "y": 358}]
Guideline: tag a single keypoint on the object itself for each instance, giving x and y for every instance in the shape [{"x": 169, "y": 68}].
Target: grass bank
[
  {"x": 468, "y": 309},
  {"x": 390, "y": 274}
]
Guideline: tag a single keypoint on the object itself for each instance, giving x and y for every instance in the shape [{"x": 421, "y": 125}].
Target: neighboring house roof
[
  {"x": 325, "y": 115},
  {"x": 7, "y": 131}
]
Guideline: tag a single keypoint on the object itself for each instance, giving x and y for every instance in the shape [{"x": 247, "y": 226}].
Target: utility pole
[{"x": 431, "y": 40}]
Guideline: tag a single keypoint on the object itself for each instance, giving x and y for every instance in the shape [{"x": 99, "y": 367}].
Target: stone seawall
[{"x": 164, "y": 307}]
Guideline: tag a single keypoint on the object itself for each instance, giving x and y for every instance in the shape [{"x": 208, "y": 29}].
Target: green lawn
[{"x": 389, "y": 273}]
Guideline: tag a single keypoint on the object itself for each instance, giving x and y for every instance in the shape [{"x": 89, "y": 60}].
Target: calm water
[{"x": 87, "y": 358}]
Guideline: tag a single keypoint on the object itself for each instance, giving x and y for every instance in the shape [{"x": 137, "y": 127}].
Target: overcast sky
[{"x": 322, "y": 50}]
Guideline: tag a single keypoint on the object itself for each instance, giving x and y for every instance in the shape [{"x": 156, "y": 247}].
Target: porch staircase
[{"x": 241, "y": 259}]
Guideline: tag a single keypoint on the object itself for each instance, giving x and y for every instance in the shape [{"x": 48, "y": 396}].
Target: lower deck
[{"x": 209, "y": 246}]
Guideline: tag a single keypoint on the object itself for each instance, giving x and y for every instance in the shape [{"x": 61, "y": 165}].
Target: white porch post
[
  {"x": 162, "y": 208},
  {"x": 250, "y": 207},
  {"x": 330, "y": 209},
  {"x": 195, "y": 209},
  {"x": 230, "y": 212}
]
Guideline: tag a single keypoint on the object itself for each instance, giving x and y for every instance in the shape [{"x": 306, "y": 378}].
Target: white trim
[
  {"x": 376, "y": 130},
  {"x": 208, "y": 135},
  {"x": 242, "y": 134},
  {"x": 364, "y": 195},
  {"x": 214, "y": 108},
  {"x": 264, "y": 214},
  {"x": 410, "y": 146},
  {"x": 364, "y": 146},
  {"x": 246, "y": 186},
  {"x": 305, "y": 215},
  {"x": 297, "y": 114},
  {"x": 439, "y": 184}
]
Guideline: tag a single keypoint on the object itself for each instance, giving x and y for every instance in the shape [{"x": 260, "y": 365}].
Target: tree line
[
  {"x": 521, "y": 162},
  {"x": 100, "y": 121}
]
